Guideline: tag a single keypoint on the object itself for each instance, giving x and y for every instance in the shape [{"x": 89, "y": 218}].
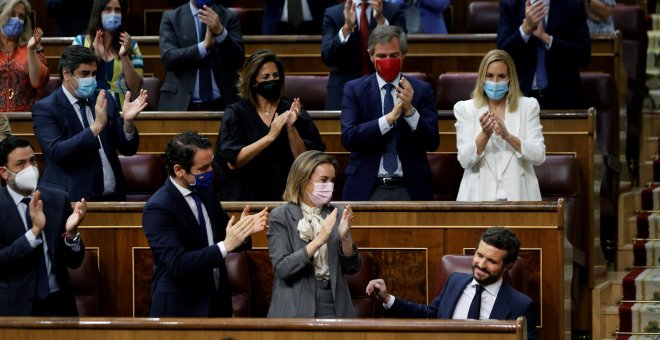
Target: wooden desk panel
[
  {"x": 245, "y": 328},
  {"x": 436, "y": 228},
  {"x": 431, "y": 54}
]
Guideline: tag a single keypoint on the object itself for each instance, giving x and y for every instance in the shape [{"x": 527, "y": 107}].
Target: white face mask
[{"x": 26, "y": 179}]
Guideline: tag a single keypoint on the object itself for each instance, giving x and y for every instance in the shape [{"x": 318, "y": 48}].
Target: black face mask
[{"x": 270, "y": 89}]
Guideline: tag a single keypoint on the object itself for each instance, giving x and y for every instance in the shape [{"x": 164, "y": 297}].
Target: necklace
[{"x": 267, "y": 112}]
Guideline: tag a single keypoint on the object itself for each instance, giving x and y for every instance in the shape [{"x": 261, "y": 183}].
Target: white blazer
[{"x": 502, "y": 169}]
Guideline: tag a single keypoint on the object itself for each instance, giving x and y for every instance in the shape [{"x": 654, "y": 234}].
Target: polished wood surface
[
  {"x": 245, "y": 328},
  {"x": 429, "y": 229},
  {"x": 430, "y": 54}
]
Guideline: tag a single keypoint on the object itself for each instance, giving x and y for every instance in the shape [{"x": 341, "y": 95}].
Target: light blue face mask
[
  {"x": 86, "y": 87},
  {"x": 13, "y": 27},
  {"x": 111, "y": 21},
  {"x": 496, "y": 90}
]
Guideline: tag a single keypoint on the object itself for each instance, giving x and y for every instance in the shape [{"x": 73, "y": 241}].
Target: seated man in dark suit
[
  {"x": 80, "y": 133},
  {"x": 201, "y": 47},
  {"x": 185, "y": 225},
  {"x": 39, "y": 238},
  {"x": 482, "y": 295},
  {"x": 346, "y": 29},
  {"x": 388, "y": 123}
]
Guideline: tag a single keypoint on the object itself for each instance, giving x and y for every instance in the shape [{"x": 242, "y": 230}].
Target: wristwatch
[
  {"x": 412, "y": 112},
  {"x": 74, "y": 240}
]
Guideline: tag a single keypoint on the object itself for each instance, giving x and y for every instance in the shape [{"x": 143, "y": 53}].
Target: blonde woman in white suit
[{"x": 499, "y": 136}]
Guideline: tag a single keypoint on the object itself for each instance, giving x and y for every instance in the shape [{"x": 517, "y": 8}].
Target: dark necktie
[
  {"x": 42, "y": 273},
  {"x": 82, "y": 108},
  {"x": 200, "y": 214},
  {"x": 205, "y": 87},
  {"x": 541, "y": 75},
  {"x": 97, "y": 166},
  {"x": 295, "y": 12},
  {"x": 364, "y": 39},
  {"x": 475, "y": 306},
  {"x": 390, "y": 158}
]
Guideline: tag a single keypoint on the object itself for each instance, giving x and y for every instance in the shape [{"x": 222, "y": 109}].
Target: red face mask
[{"x": 388, "y": 68}]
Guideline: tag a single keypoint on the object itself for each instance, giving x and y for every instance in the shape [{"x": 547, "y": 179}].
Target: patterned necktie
[
  {"x": 200, "y": 214},
  {"x": 97, "y": 167},
  {"x": 364, "y": 39},
  {"x": 475, "y": 306},
  {"x": 82, "y": 105},
  {"x": 295, "y": 12},
  {"x": 390, "y": 158},
  {"x": 43, "y": 288},
  {"x": 205, "y": 87},
  {"x": 541, "y": 75}
]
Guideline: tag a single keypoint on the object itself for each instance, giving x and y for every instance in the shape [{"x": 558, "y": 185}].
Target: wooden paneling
[
  {"x": 430, "y": 54},
  {"x": 406, "y": 240},
  {"x": 292, "y": 329}
]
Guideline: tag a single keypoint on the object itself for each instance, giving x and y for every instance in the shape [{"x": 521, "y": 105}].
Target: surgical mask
[
  {"x": 201, "y": 3},
  {"x": 322, "y": 193},
  {"x": 270, "y": 89},
  {"x": 203, "y": 180},
  {"x": 86, "y": 86},
  {"x": 496, "y": 90},
  {"x": 13, "y": 27},
  {"x": 389, "y": 68},
  {"x": 111, "y": 21},
  {"x": 26, "y": 179}
]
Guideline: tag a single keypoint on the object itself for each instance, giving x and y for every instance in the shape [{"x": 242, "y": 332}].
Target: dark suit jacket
[
  {"x": 183, "y": 283},
  {"x": 18, "y": 260},
  {"x": 571, "y": 49},
  {"x": 273, "y": 12},
  {"x": 344, "y": 59},
  {"x": 180, "y": 57},
  {"x": 509, "y": 304},
  {"x": 70, "y": 151},
  {"x": 360, "y": 134}
]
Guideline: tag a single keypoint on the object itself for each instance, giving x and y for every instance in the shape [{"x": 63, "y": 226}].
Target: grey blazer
[{"x": 294, "y": 286}]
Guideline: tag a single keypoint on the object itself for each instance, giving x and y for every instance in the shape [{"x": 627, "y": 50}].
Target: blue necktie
[
  {"x": 200, "y": 215},
  {"x": 97, "y": 167},
  {"x": 390, "y": 158},
  {"x": 475, "y": 306},
  {"x": 43, "y": 288},
  {"x": 541, "y": 75},
  {"x": 205, "y": 87}
]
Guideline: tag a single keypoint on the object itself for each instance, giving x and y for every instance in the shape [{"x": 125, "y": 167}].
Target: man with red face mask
[{"x": 388, "y": 123}]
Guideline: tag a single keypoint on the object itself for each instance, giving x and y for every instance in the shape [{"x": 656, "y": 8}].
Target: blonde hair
[
  {"x": 6, "y": 9},
  {"x": 480, "y": 98},
  {"x": 301, "y": 171}
]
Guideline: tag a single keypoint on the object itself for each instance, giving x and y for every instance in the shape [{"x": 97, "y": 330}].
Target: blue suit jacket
[
  {"x": 18, "y": 260},
  {"x": 70, "y": 151},
  {"x": 183, "y": 283},
  {"x": 509, "y": 304},
  {"x": 344, "y": 59},
  {"x": 571, "y": 49},
  {"x": 432, "y": 18},
  {"x": 273, "y": 12},
  {"x": 360, "y": 134}
]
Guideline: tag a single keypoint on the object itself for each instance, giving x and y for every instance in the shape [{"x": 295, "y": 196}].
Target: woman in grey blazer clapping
[{"x": 311, "y": 249}]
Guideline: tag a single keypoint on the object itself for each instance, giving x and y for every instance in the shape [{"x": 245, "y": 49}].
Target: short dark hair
[
  {"x": 504, "y": 239},
  {"x": 9, "y": 144},
  {"x": 73, "y": 56},
  {"x": 182, "y": 148}
]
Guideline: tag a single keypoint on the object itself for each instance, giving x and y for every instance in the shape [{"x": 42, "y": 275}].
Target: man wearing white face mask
[
  {"x": 310, "y": 247},
  {"x": 39, "y": 238},
  {"x": 388, "y": 123},
  {"x": 80, "y": 133}
]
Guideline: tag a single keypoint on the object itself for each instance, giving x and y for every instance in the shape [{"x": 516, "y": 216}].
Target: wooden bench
[
  {"x": 245, "y": 328},
  {"x": 431, "y": 54}
]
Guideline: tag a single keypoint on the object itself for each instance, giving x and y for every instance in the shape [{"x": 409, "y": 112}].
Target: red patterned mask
[{"x": 389, "y": 68}]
